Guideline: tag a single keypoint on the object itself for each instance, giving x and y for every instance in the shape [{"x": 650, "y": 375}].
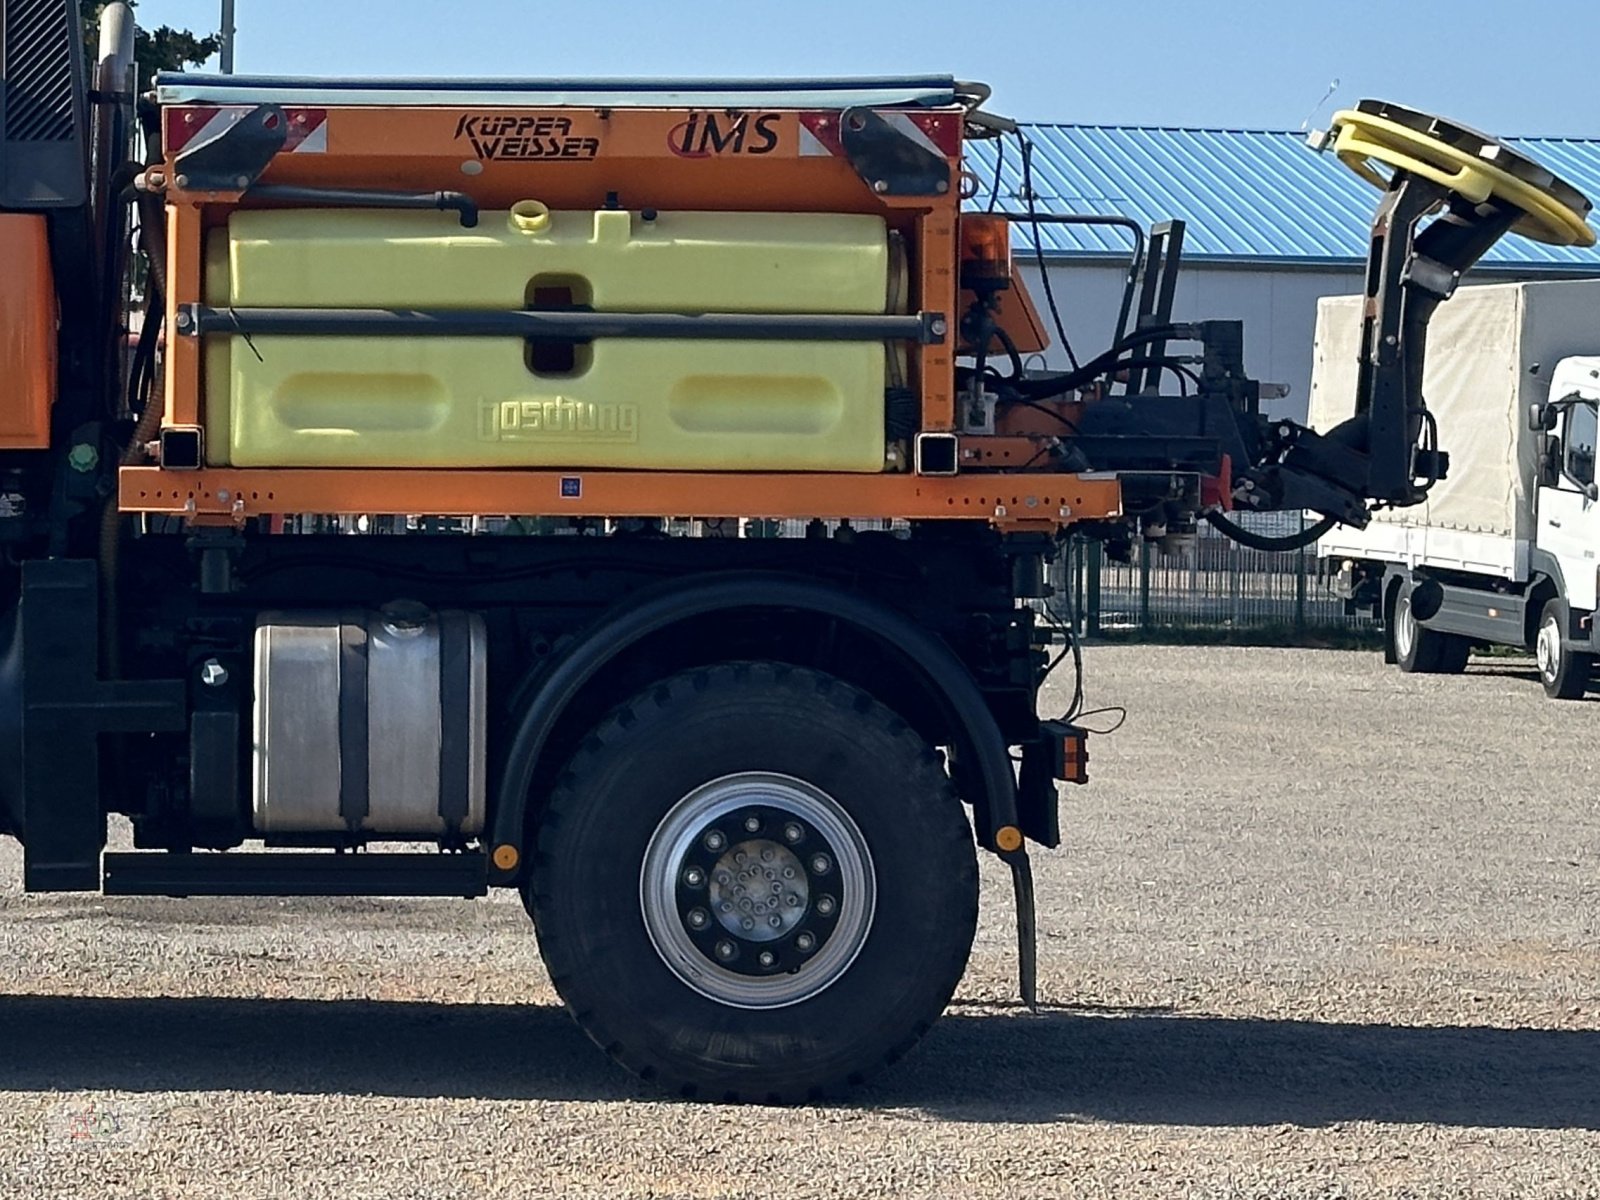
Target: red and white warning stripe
[
  {"x": 937, "y": 132},
  {"x": 308, "y": 127}
]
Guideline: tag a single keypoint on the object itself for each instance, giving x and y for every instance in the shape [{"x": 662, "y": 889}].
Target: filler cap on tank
[{"x": 406, "y": 616}]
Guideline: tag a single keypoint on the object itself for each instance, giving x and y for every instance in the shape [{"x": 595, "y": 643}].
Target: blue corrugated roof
[{"x": 1248, "y": 195}]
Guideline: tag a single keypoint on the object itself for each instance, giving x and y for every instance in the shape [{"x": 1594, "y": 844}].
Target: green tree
[{"x": 161, "y": 49}]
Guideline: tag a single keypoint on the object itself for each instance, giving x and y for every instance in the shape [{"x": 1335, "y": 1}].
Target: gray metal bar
[
  {"x": 1092, "y": 586},
  {"x": 226, "y": 35},
  {"x": 803, "y": 94},
  {"x": 928, "y": 328}
]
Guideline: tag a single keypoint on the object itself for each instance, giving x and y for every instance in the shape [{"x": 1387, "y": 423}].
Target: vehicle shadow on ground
[{"x": 1141, "y": 1066}]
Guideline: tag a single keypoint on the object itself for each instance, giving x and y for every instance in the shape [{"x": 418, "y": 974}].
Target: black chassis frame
[{"x": 927, "y": 620}]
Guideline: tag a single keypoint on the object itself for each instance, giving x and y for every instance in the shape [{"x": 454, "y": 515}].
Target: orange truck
[{"x": 367, "y": 571}]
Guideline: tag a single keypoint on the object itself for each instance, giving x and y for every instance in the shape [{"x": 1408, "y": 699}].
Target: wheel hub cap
[
  {"x": 1547, "y": 649},
  {"x": 1405, "y": 629},
  {"x": 757, "y": 890}
]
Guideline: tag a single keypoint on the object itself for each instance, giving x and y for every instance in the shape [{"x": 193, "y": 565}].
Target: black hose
[
  {"x": 460, "y": 202},
  {"x": 999, "y": 167},
  {"x": 1038, "y": 247},
  {"x": 1056, "y": 385},
  {"x": 144, "y": 353},
  {"x": 1273, "y": 545}
]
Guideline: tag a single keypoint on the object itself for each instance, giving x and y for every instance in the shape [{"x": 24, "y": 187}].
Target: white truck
[{"x": 1503, "y": 550}]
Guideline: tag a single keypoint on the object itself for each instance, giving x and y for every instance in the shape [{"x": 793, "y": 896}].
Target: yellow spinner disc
[{"x": 1469, "y": 163}]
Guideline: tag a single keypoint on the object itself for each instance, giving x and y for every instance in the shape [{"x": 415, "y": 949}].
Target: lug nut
[
  {"x": 805, "y": 942},
  {"x": 825, "y": 905},
  {"x": 698, "y": 918},
  {"x": 792, "y": 833},
  {"x": 752, "y": 824},
  {"x": 727, "y": 951},
  {"x": 694, "y": 877},
  {"x": 715, "y": 840},
  {"x": 767, "y": 958},
  {"x": 821, "y": 864}
]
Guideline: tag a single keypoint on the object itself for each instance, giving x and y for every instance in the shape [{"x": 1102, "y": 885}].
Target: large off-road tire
[
  {"x": 1424, "y": 651},
  {"x": 820, "y": 955},
  {"x": 1564, "y": 672}
]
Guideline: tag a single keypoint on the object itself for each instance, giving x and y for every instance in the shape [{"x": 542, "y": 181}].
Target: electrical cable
[
  {"x": 1122, "y": 718},
  {"x": 999, "y": 165},
  {"x": 1077, "y": 644},
  {"x": 1069, "y": 637},
  {"x": 1038, "y": 246},
  {"x": 1076, "y": 713}
]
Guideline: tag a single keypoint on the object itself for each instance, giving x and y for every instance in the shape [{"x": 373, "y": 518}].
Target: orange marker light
[
  {"x": 506, "y": 858},
  {"x": 1075, "y": 757}
]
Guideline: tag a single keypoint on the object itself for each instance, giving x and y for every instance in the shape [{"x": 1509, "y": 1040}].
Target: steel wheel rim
[
  {"x": 1405, "y": 627},
  {"x": 1547, "y": 649},
  {"x": 839, "y": 901}
]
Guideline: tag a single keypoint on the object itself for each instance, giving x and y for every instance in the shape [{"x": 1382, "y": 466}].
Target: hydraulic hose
[
  {"x": 1273, "y": 545},
  {"x": 462, "y": 204},
  {"x": 1055, "y": 385}
]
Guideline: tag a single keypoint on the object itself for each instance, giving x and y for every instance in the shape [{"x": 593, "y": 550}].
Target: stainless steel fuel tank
[{"x": 370, "y": 722}]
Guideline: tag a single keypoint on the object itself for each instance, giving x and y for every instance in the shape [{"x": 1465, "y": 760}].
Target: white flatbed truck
[{"x": 1503, "y": 550}]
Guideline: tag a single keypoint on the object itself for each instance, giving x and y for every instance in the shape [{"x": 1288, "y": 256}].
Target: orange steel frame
[{"x": 633, "y": 159}]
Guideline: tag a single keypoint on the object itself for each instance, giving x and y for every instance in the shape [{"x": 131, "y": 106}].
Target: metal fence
[
  {"x": 1208, "y": 582},
  {"x": 1205, "y": 582}
]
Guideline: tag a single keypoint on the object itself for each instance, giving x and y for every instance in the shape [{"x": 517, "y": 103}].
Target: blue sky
[{"x": 1509, "y": 69}]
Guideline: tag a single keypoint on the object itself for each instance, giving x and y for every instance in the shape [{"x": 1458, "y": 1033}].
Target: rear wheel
[
  {"x": 755, "y": 882},
  {"x": 1425, "y": 651},
  {"x": 1564, "y": 672},
  {"x": 1415, "y": 648}
]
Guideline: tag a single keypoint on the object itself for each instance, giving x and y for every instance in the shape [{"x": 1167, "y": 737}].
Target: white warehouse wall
[{"x": 1278, "y": 308}]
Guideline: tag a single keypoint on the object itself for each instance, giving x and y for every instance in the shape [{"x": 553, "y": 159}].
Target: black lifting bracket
[{"x": 52, "y": 669}]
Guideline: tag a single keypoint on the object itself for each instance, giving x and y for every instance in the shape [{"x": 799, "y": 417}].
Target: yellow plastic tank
[
  {"x": 617, "y": 261},
  {"x": 666, "y": 404},
  {"x": 472, "y": 402}
]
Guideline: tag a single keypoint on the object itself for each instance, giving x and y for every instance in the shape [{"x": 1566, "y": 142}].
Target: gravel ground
[{"x": 1320, "y": 929}]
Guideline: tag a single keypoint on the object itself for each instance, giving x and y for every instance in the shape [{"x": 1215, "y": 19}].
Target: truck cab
[{"x": 1567, "y": 529}]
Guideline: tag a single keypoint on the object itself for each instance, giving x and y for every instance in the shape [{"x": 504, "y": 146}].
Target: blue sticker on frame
[{"x": 571, "y": 487}]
